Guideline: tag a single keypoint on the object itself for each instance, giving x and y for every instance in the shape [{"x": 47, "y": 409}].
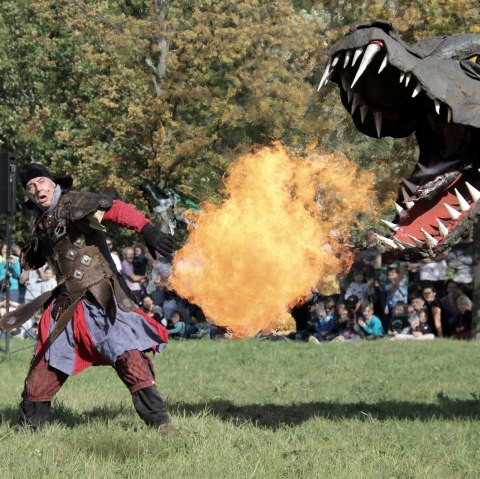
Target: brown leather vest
[{"x": 79, "y": 252}]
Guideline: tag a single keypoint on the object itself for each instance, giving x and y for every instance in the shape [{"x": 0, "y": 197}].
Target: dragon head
[{"x": 431, "y": 89}]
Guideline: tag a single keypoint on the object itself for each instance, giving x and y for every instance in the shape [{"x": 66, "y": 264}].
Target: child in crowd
[
  {"x": 369, "y": 326},
  {"x": 153, "y": 310},
  {"x": 176, "y": 328},
  {"x": 399, "y": 321},
  {"x": 140, "y": 260},
  {"x": 420, "y": 329},
  {"x": 396, "y": 289},
  {"x": 358, "y": 287},
  {"x": 347, "y": 315},
  {"x": 324, "y": 324}
]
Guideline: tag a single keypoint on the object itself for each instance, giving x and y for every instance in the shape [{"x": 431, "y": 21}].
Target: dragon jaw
[{"x": 391, "y": 88}]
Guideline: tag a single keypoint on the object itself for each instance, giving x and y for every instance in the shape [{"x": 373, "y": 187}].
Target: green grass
[{"x": 257, "y": 409}]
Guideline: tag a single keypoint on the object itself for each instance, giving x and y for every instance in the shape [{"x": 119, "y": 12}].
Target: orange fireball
[{"x": 277, "y": 235}]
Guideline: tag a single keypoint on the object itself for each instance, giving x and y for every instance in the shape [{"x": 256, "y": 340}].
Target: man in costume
[{"x": 90, "y": 318}]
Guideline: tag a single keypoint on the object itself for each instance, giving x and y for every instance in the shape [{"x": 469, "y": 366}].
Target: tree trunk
[{"x": 476, "y": 282}]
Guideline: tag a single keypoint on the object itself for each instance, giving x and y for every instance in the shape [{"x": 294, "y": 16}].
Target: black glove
[{"x": 156, "y": 240}]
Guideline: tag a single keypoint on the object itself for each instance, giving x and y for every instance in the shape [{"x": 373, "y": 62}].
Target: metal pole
[{"x": 7, "y": 291}]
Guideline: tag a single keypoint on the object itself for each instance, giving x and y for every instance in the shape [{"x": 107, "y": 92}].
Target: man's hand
[{"x": 156, "y": 240}]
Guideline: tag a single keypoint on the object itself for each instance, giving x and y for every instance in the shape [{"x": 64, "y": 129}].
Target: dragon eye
[{"x": 474, "y": 59}]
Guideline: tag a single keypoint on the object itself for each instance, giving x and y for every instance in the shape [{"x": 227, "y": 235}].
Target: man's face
[
  {"x": 128, "y": 255},
  {"x": 41, "y": 191}
]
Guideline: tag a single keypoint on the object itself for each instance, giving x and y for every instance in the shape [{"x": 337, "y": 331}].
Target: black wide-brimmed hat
[{"x": 36, "y": 170}]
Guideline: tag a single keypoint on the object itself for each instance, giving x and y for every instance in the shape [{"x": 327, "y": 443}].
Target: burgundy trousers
[{"x": 134, "y": 368}]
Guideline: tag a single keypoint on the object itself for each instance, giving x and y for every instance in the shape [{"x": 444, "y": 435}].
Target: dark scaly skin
[{"x": 444, "y": 116}]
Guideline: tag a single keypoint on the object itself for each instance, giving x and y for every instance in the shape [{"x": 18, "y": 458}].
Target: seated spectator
[
  {"x": 399, "y": 320},
  {"x": 396, "y": 289},
  {"x": 153, "y": 310},
  {"x": 448, "y": 304},
  {"x": 347, "y": 315},
  {"x": 434, "y": 310},
  {"x": 464, "y": 327},
  {"x": 359, "y": 287},
  {"x": 176, "y": 326},
  {"x": 420, "y": 329},
  {"x": 418, "y": 303},
  {"x": 368, "y": 325},
  {"x": 323, "y": 325},
  {"x": 204, "y": 330}
]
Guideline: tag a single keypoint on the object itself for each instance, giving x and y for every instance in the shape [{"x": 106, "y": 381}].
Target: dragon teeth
[
  {"x": 415, "y": 240},
  {"x": 411, "y": 186},
  {"x": 429, "y": 239},
  {"x": 454, "y": 214},
  {"x": 437, "y": 106},
  {"x": 400, "y": 210},
  {"x": 369, "y": 55},
  {"x": 363, "y": 112},
  {"x": 387, "y": 241},
  {"x": 417, "y": 90},
  {"x": 384, "y": 64},
  {"x": 408, "y": 77},
  {"x": 356, "y": 55},
  {"x": 355, "y": 103},
  {"x": 462, "y": 202},
  {"x": 346, "y": 60},
  {"x": 325, "y": 75},
  {"x": 443, "y": 230},
  {"x": 377, "y": 116},
  {"x": 391, "y": 225},
  {"x": 474, "y": 193}
]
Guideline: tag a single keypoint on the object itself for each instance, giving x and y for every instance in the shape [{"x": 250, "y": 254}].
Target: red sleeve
[{"x": 125, "y": 215}]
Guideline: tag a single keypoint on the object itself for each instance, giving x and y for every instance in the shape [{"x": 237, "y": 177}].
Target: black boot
[
  {"x": 151, "y": 408},
  {"x": 33, "y": 414}
]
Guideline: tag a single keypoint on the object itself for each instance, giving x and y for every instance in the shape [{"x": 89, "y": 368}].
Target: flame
[{"x": 277, "y": 235}]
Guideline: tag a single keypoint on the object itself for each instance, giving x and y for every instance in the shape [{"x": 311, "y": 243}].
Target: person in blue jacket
[
  {"x": 368, "y": 325},
  {"x": 12, "y": 266},
  {"x": 324, "y": 324}
]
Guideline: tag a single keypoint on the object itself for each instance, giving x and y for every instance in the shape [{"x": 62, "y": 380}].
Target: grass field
[{"x": 258, "y": 409}]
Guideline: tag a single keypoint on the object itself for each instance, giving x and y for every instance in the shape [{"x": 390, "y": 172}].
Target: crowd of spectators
[
  {"x": 378, "y": 298},
  {"x": 401, "y": 300}
]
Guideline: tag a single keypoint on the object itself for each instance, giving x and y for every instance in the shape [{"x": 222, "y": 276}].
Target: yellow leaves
[
  {"x": 62, "y": 135},
  {"x": 108, "y": 103}
]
